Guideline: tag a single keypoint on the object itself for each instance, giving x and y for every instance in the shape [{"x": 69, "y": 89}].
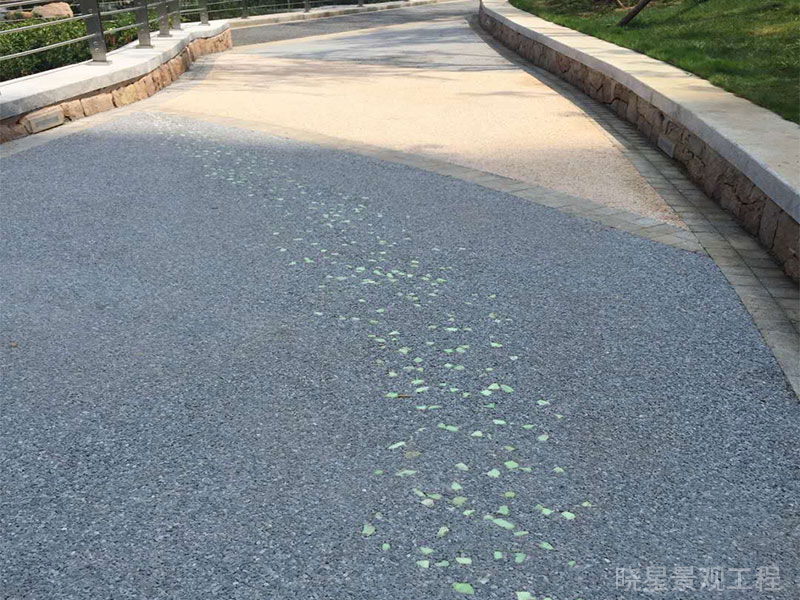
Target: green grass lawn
[{"x": 748, "y": 47}]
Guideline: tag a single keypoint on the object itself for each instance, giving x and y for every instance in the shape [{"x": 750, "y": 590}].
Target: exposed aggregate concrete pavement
[
  {"x": 216, "y": 359},
  {"x": 244, "y": 367},
  {"x": 435, "y": 89},
  {"x": 255, "y": 33}
]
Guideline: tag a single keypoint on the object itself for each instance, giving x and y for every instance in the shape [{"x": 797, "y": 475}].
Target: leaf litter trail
[{"x": 271, "y": 370}]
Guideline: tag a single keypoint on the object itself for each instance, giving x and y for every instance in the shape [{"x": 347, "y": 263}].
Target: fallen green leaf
[
  {"x": 503, "y": 523},
  {"x": 464, "y": 588}
]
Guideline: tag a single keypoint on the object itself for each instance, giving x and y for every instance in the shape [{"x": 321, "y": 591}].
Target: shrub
[{"x": 57, "y": 57}]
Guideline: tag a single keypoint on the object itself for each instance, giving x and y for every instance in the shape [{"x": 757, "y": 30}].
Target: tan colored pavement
[{"x": 435, "y": 89}]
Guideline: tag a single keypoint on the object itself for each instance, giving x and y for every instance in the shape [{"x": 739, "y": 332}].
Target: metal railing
[
  {"x": 246, "y": 8},
  {"x": 148, "y": 15},
  {"x": 166, "y": 14}
]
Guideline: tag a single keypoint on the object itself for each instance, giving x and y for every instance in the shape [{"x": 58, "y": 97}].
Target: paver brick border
[
  {"x": 758, "y": 212},
  {"x": 113, "y": 96}
]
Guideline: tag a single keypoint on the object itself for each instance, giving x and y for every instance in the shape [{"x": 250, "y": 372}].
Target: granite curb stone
[
  {"x": 26, "y": 94},
  {"x": 114, "y": 96}
]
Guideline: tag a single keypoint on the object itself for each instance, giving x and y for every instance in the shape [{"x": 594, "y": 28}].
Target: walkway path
[
  {"x": 237, "y": 365},
  {"x": 435, "y": 89}
]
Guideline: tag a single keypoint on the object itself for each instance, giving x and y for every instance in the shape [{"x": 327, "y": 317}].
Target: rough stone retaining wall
[
  {"x": 118, "y": 95},
  {"x": 756, "y": 212}
]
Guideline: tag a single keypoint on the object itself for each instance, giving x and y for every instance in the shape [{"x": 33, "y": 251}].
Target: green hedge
[
  {"x": 79, "y": 51},
  {"x": 57, "y": 57}
]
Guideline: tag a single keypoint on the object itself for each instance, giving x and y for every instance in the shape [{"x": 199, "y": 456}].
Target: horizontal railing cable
[
  {"x": 47, "y": 24},
  {"x": 163, "y": 15}
]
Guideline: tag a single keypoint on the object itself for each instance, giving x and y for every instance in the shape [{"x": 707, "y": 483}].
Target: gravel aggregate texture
[
  {"x": 237, "y": 366},
  {"x": 257, "y": 34},
  {"x": 421, "y": 80}
]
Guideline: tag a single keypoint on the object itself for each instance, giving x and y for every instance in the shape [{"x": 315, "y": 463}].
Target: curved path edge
[
  {"x": 778, "y": 331},
  {"x": 766, "y": 293},
  {"x": 744, "y": 156},
  {"x": 245, "y": 399}
]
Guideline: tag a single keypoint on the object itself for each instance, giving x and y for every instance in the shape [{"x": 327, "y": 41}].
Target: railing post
[
  {"x": 94, "y": 27},
  {"x": 306, "y": 5},
  {"x": 163, "y": 19},
  {"x": 176, "y": 14},
  {"x": 143, "y": 29},
  {"x": 204, "y": 12},
  {"x": 244, "y": 9}
]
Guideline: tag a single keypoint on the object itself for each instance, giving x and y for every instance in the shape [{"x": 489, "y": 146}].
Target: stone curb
[
  {"x": 171, "y": 63},
  {"x": 25, "y": 94},
  {"x": 321, "y": 13},
  {"x": 764, "y": 203}
]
